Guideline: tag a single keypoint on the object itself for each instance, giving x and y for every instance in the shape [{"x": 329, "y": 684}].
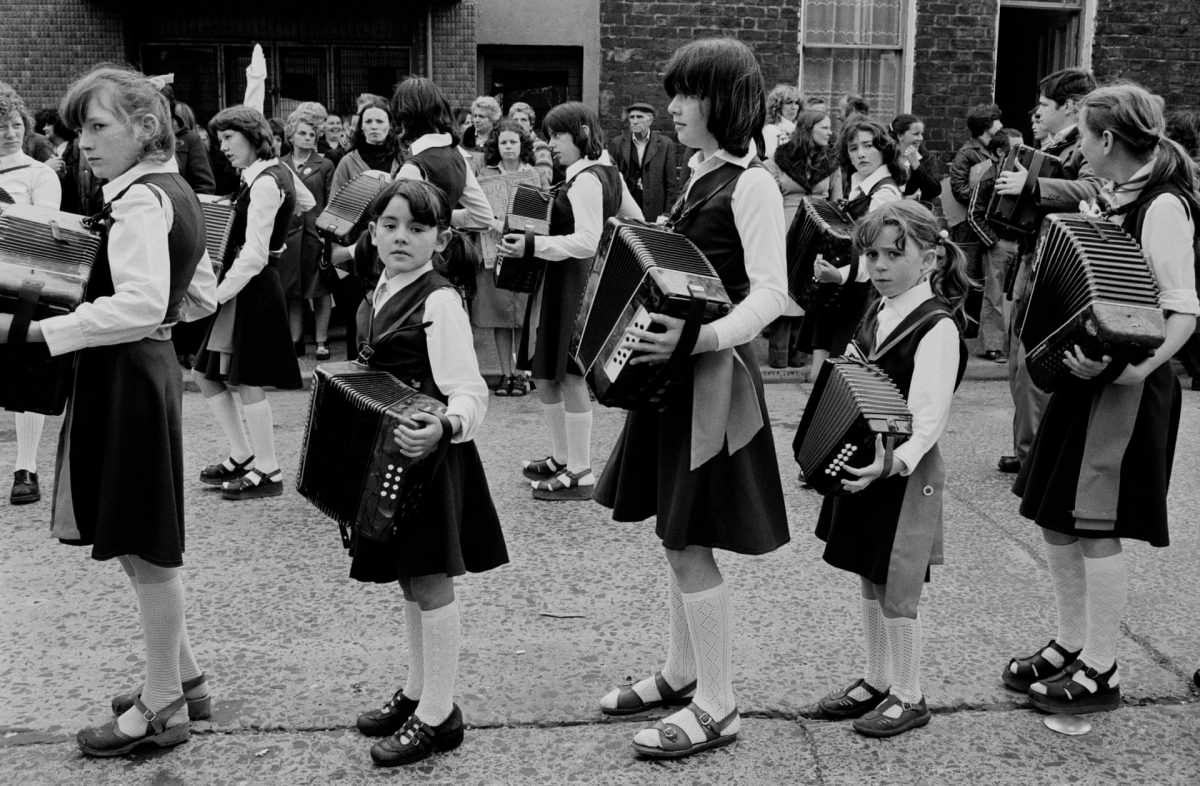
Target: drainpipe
[{"x": 429, "y": 42}]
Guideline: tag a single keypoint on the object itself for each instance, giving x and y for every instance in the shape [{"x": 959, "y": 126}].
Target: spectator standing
[
  {"x": 922, "y": 183},
  {"x": 783, "y": 104},
  {"x": 647, "y": 161},
  {"x": 485, "y": 113}
]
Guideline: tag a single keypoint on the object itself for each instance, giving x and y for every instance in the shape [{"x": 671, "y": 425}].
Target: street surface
[{"x": 294, "y": 649}]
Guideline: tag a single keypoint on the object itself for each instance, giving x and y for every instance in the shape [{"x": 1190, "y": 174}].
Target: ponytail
[
  {"x": 1172, "y": 166},
  {"x": 949, "y": 280},
  {"x": 459, "y": 261}
]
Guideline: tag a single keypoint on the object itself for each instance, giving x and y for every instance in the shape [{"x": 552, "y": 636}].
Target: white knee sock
[
  {"x": 680, "y": 666},
  {"x": 261, "y": 427},
  {"x": 555, "y": 417},
  {"x": 710, "y": 625},
  {"x": 877, "y": 674},
  {"x": 29, "y": 434},
  {"x": 440, "y": 644},
  {"x": 416, "y": 668},
  {"x": 578, "y": 428},
  {"x": 1107, "y": 584},
  {"x": 225, "y": 410},
  {"x": 161, "y": 605},
  {"x": 904, "y": 649},
  {"x": 1070, "y": 591}
]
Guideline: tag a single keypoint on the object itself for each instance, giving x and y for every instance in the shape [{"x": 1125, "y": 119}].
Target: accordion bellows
[
  {"x": 851, "y": 403},
  {"x": 1020, "y": 213},
  {"x": 46, "y": 258},
  {"x": 528, "y": 211},
  {"x": 639, "y": 270},
  {"x": 218, "y": 224},
  {"x": 820, "y": 227},
  {"x": 1091, "y": 287},
  {"x": 344, "y": 218},
  {"x": 351, "y": 468}
]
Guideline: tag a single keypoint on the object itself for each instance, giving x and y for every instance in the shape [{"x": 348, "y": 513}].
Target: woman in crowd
[
  {"x": 922, "y": 182},
  {"x": 485, "y": 113},
  {"x": 783, "y": 104}
]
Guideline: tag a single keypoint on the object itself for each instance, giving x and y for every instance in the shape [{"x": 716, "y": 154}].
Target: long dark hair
[
  {"x": 491, "y": 148},
  {"x": 883, "y": 140},
  {"x": 570, "y": 118},
  {"x": 367, "y": 150},
  {"x": 724, "y": 71},
  {"x": 802, "y": 159},
  {"x": 420, "y": 107}
]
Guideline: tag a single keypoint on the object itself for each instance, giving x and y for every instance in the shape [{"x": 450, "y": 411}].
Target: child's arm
[
  {"x": 452, "y": 359},
  {"x": 265, "y": 200}
]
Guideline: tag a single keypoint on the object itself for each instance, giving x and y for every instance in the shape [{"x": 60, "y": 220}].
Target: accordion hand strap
[
  {"x": 889, "y": 447},
  {"x": 27, "y": 300}
]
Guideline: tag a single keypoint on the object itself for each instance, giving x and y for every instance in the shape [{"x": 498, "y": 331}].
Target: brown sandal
[
  {"x": 108, "y": 740},
  {"x": 675, "y": 743},
  {"x": 630, "y": 703}
]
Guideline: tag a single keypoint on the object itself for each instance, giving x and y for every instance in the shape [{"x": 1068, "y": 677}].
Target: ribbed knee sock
[
  {"x": 710, "y": 625},
  {"x": 578, "y": 428},
  {"x": 225, "y": 410},
  {"x": 904, "y": 649},
  {"x": 416, "y": 654},
  {"x": 878, "y": 674},
  {"x": 555, "y": 417},
  {"x": 440, "y": 644},
  {"x": 260, "y": 425},
  {"x": 1107, "y": 585},
  {"x": 680, "y": 666},
  {"x": 1066, "y": 565},
  {"x": 29, "y": 435},
  {"x": 161, "y": 605}
]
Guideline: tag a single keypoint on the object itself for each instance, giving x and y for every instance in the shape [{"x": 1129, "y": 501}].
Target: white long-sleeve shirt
[
  {"x": 137, "y": 251},
  {"x": 29, "y": 181},
  {"x": 861, "y": 186},
  {"x": 758, "y": 216},
  {"x": 473, "y": 209},
  {"x": 586, "y": 196},
  {"x": 451, "y": 349}
]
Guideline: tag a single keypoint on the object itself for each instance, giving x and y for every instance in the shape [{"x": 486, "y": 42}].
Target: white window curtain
[{"x": 854, "y": 47}]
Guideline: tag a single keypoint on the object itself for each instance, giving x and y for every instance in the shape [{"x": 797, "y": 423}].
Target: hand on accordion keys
[
  {"x": 878, "y": 468},
  {"x": 658, "y": 343},
  {"x": 1084, "y": 367},
  {"x": 1012, "y": 183},
  {"x": 420, "y": 436},
  {"x": 824, "y": 272}
]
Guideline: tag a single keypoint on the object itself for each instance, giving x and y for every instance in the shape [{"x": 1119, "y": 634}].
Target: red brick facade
[{"x": 1142, "y": 41}]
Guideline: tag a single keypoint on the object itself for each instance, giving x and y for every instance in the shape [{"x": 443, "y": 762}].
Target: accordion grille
[
  {"x": 353, "y": 199},
  {"x": 46, "y": 243},
  {"x": 218, "y": 223},
  {"x": 528, "y": 202}
]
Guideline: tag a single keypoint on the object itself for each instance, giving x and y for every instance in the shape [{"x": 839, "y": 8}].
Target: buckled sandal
[
  {"x": 876, "y": 724},
  {"x": 198, "y": 708},
  {"x": 630, "y": 703},
  {"x": 518, "y": 385},
  {"x": 254, "y": 485},
  {"x": 227, "y": 470},
  {"x": 108, "y": 740},
  {"x": 389, "y": 718},
  {"x": 840, "y": 705},
  {"x": 541, "y": 469},
  {"x": 1077, "y": 690},
  {"x": 417, "y": 740},
  {"x": 503, "y": 387},
  {"x": 1023, "y": 672},
  {"x": 564, "y": 486},
  {"x": 674, "y": 742}
]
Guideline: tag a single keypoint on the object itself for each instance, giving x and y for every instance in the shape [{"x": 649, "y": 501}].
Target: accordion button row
[{"x": 391, "y": 481}]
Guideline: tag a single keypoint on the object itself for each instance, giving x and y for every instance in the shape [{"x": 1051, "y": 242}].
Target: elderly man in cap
[{"x": 648, "y": 161}]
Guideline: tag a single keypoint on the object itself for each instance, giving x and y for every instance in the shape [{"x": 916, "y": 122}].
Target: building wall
[
  {"x": 546, "y": 23},
  {"x": 1142, "y": 41},
  {"x": 454, "y": 34},
  {"x": 44, "y": 45}
]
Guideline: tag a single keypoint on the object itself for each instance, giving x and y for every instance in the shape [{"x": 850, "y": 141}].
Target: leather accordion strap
[
  {"x": 889, "y": 447},
  {"x": 27, "y": 300},
  {"x": 529, "y": 242},
  {"x": 687, "y": 339}
]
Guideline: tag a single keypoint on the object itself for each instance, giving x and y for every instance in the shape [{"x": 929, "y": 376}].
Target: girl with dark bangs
[{"x": 705, "y": 466}]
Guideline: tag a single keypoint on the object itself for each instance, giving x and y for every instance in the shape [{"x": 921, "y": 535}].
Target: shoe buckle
[
  {"x": 705, "y": 719},
  {"x": 149, "y": 714}
]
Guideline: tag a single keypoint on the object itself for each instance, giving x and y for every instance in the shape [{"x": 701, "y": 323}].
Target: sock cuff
[
  {"x": 899, "y": 622},
  {"x": 1111, "y": 562},
  {"x": 559, "y": 406},
  {"x": 577, "y": 416},
  {"x": 712, "y": 593},
  {"x": 436, "y": 615},
  {"x": 251, "y": 408}
]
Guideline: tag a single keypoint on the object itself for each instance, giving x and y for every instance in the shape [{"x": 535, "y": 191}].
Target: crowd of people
[{"x": 419, "y": 278}]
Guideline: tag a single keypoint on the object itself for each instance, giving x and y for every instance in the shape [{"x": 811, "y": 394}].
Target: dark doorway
[
  {"x": 541, "y": 76},
  {"x": 1031, "y": 43}
]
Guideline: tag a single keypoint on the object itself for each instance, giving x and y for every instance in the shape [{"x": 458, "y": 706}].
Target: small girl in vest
[
  {"x": 888, "y": 528},
  {"x": 416, "y": 323},
  {"x": 705, "y": 467},
  {"x": 128, "y": 395},
  {"x": 1100, "y": 465}
]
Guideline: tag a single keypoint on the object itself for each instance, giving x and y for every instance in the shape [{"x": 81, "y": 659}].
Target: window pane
[
  {"x": 874, "y": 75},
  {"x": 864, "y": 22},
  {"x": 374, "y": 69},
  {"x": 302, "y": 77}
]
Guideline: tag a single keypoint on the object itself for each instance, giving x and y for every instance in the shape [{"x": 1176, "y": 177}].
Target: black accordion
[
  {"x": 218, "y": 224},
  {"x": 639, "y": 270},
  {"x": 345, "y": 217},
  {"x": 1020, "y": 213},
  {"x": 1091, "y": 287},
  {"x": 529, "y": 213},
  {"x": 820, "y": 227},
  {"x": 852, "y": 402},
  {"x": 46, "y": 259},
  {"x": 351, "y": 468}
]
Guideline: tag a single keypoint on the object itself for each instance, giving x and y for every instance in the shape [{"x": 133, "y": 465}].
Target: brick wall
[
  {"x": 638, "y": 37},
  {"x": 46, "y": 44},
  {"x": 454, "y": 52},
  {"x": 1141, "y": 41}
]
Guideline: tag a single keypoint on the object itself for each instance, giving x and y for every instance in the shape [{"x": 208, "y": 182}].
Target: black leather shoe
[
  {"x": 216, "y": 474},
  {"x": 1009, "y": 464},
  {"x": 1196, "y": 678},
  {"x": 25, "y": 488},
  {"x": 417, "y": 740},
  {"x": 389, "y": 718}
]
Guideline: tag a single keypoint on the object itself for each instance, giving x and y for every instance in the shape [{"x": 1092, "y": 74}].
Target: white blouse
[
  {"x": 586, "y": 196},
  {"x": 30, "y": 182}
]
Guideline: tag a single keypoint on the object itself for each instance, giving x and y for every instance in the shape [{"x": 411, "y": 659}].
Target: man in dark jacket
[
  {"x": 648, "y": 162},
  {"x": 982, "y": 122}
]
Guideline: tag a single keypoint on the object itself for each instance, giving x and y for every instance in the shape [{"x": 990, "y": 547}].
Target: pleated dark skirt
[
  {"x": 1048, "y": 480},
  {"x": 557, "y": 297},
  {"x": 119, "y": 469},
  {"x": 730, "y": 502},
  {"x": 457, "y": 531},
  {"x": 262, "y": 355}
]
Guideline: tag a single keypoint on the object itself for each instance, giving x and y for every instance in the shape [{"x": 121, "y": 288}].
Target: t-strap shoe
[
  {"x": 24, "y": 488},
  {"x": 566, "y": 485},
  {"x": 879, "y": 722},
  {"x": 108, "y": 740},
  {"x": 1077, "y": 690},
  {"x": 1020, "y": 673},
  {"x": 227, "y": 470},
  {"x": 417, "y": 740},
  {"x": 253, "y": 485},
  {"x": 840, "y": 705},
  {"x": 199, "y": 708},
  {"x": 388, "y": 719},
  {"x": 541, "y": 469},
  {"x": 629, "y": 702}
]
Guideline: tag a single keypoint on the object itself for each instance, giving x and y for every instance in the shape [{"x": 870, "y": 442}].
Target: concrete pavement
[{"x": 295, "y": 649}]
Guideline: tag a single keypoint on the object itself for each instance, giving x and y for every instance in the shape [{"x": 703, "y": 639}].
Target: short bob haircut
[
  {"x": 981, "y": 118},
  {"x": 724, "y": 71},
  {"x": 881, "y": 138},
  {"x": 248, "y": 122},
  {"x": 570, "y": 118},
  {"x": 420, "y": 107},
  {"x": 1061, "y": 86},
  {"x": 10, "y": 101},
  {"x": 491, "y": 148},
  {"x": 426, "y": 202},
  {"x": 130, "y": 96}
]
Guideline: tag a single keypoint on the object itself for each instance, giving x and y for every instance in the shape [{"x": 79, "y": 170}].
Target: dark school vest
[
  {"x": 705, "y": 216},
  {"x": 445, "y": 168},
  {"x": 1135, "y": 217},
  {"x": 901, "y": 344},
  {"x": 861, "y": 205},
  {"x": 237, "y": 233},
  {"x": 562, "y": 218}
]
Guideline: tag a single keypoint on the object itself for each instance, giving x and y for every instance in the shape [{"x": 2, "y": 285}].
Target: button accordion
[
  {"x": 1019, "y": 213},
  {"x": 820, "y": 227},
  {"x": 351, "y": 468},
  {"x": 218, "y": 224},
  {"x": 639, "y": 270},
  {"x": 46, "y": 259},
  {"x": 345, "y": 217},
  {"x": 852, "y": 403},
  {"x": 1091, "y": 287},
  {"x": 528, "y": 212}
]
